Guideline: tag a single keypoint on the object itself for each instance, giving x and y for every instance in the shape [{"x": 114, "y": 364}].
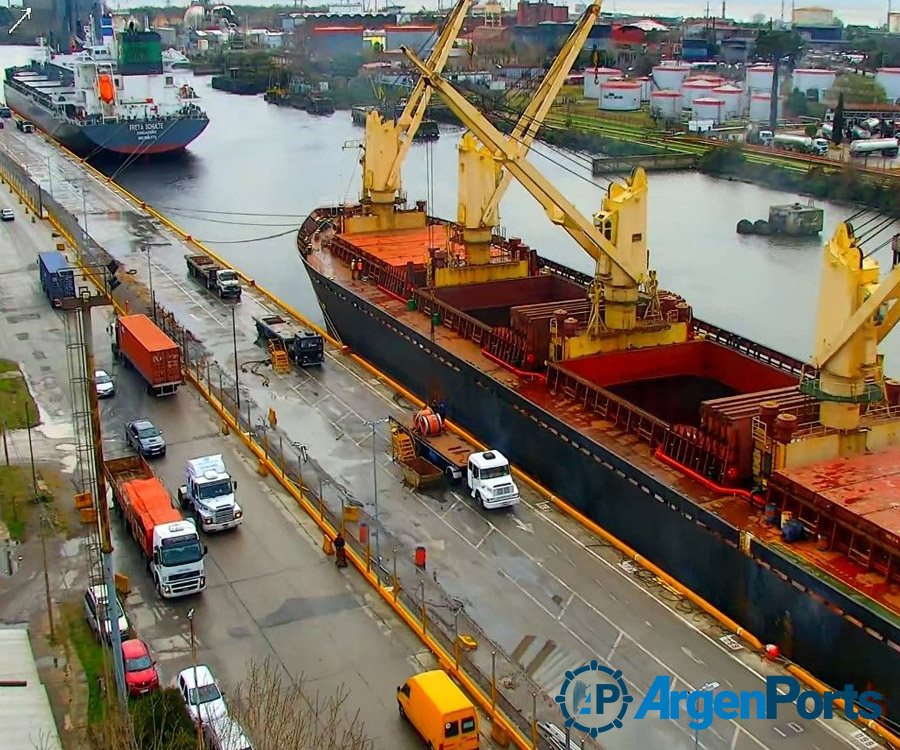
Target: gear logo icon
[{"x": 594, "y": 698}]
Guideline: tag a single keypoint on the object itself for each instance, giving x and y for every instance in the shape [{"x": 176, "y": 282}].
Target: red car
[{"x": 140, "y": 670}]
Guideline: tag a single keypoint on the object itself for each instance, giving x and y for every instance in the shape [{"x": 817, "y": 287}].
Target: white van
[{"x": 225, "y": 734}]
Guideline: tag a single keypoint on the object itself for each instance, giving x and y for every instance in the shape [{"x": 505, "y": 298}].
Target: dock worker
[{"x": 340, "y": 552}]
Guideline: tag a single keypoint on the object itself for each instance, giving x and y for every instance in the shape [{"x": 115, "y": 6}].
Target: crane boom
[
  {"x": 559, "y": 210},
  {"x": 532, "y": 117}
]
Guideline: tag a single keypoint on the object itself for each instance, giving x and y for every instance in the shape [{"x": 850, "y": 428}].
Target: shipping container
[
  {"x": 57, "y": 278},
  {"x": 141, "y": 344}
]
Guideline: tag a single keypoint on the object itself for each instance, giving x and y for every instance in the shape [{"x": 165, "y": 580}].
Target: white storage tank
[
  {"x": 666, "y": 104},
  {"x": 718, "y": 80},
  {"x": 690, "y": 90},
  {"x": 813, "y": 78},
  {"x": 708, "y": 108},
  {"x": 760, "y": 102},
  {"x": 733, "y": 98},
  {"x": 646, "y": 87},
  {"x": 759, "y": 78},
  {"x": 889, "y": 78},
  {"x": 623, "y": 96},
  {"x": 593, "y": 77},
  {"x": 670, "y": 77}
]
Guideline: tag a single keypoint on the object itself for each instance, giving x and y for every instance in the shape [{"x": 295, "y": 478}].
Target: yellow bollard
[
  {"x": 273, "y": 418},
  {"x": 225, "y": 428},
  {"x": 327, "y": 545},
  {"x": 499, "y": 735},
  {"x": 262, "y": 469}
]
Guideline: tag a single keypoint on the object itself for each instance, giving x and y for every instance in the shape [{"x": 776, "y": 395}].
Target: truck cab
[
  {"x": 820, "y": 147},
  {"x": 177, "y": 564},
  {"x": 489, "y": 479},
  {"x": 209, "y": 492},
  {"x": 309, "y": 349},
  {"x": 766, "y": 137},
  {"x": 228, "y": 284}
]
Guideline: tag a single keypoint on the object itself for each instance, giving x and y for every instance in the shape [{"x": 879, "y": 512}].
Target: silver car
[
  {"x": 104, "y": 384},
  {"x": 96, "y": 612},
  {"x": 145, "y": 438}
]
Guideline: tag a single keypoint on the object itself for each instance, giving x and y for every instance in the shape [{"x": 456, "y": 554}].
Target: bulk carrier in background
[
  {"x": 769, "y": 486},
  {"x": 113, "y": 97}
]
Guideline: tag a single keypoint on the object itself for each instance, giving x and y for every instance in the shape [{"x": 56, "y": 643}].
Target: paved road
[
  {"x": 271, "y": 591},
  {"x": 537, "y": 583}
]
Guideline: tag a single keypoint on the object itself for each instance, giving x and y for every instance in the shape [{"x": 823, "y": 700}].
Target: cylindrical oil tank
[
  {"x": 718, "y": 80},
  {"x": 665, "y": 103},
  {"x": 622, "y": 96},
  {"x": 819, "y": 79},
  {"x": 692, "y": 89},
  {"x": 759, "y": 78},
  {"x": 670, "y": 77},
  {"x": 708, "y": 108},
  {"x": 760, "y": 103},
  {"x": 733, "y": 98},
  {"x": 646, "y": 87},
  {"x": 889, "y": 78},
  {"x": 594, "y": 77}
]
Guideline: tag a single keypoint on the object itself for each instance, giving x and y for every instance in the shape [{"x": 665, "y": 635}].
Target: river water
[{"x": 258, "y": 170}]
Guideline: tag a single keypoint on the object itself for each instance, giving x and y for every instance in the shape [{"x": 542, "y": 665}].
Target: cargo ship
[
  {"x": 109, "y": 98},
  {"x": 767, "y": 485}
]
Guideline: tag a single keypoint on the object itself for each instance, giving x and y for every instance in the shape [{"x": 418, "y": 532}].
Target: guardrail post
[
  {"x": 394, "y": 585},
  {"x": 494, "y": 680},
  {"x": 422, "y": 607},
  {"x": 534, "y": 731},
  {"x": 456, "y": 635}
]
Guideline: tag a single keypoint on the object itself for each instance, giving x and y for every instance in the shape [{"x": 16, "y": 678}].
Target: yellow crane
[
  {"x": 482, "y": 183},
  {"x": 616, "y": 239},
  {"x": 855, "y": 313},
  {"x": 387, "y": 142}
]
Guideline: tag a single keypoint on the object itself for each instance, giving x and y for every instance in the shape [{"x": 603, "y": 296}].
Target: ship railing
[
  {"x": 567, "y": 273},
  {"x": 457, "y": 321},
  {"x": 750, "y": 348}
]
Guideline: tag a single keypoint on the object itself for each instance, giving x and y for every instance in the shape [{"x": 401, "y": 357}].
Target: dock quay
[
  {"x": 651, "y": 162},
  {"x": 557, "y": 596}
]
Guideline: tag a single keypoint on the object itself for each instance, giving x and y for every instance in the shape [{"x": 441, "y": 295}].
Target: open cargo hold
[
  {"x": 57, "y": 278},
  {"x": 153, "y": 354}
]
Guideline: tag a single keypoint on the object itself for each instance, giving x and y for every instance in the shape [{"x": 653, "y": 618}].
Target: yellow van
[{"x": 439, "y": 711}]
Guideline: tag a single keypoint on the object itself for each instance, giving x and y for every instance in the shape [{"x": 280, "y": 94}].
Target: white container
[
  {"x": 805, "y": 79},
  {"x": 760, "y": 103},
  {"x": 718, "y": 80},
  {"x": 733, "y": 98},
  {"x": 889, "y": 78},
  {"x": 759, "y": 78},
  {"x": 670, "y": 77},
  {"x": 690, "y": 90},
  {"x": 665, "y": 104},
  {"x": 708, "y": 108},
  {"x": 620, "y": 96},
  {"x": 646, "y": 87},
  {"x": 593, "y": 77}
]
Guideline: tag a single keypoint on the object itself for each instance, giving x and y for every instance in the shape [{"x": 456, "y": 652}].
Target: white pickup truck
[{"x": 209, "y": 493}]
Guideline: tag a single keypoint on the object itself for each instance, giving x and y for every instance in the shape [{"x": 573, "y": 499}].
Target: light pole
[
  {"x": 50, "y": 175},
  {"x": 237, "y": 377},
  {"x": 373, "y": 424},
  {"x": 190, "y": 616},
  {"x": 84, "y": 211},
  {"x": 146, "y": 249}
]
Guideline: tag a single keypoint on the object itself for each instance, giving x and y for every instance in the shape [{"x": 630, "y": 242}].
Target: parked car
[
  {"x": 7, "y": 214},
  {"x": 201, "y": 695},
  {"x": 143, "y": 436},
  {"x": 104, "y": 384},
  {"x": 141, "y": 676},
  {"x": 96, "y": 613},
  {"x": 225, "y": 734}
]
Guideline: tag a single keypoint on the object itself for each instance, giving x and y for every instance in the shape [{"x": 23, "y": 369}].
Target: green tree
[
  {"x": 837, "y": 127},
  {"x": 778, "y": 47}
]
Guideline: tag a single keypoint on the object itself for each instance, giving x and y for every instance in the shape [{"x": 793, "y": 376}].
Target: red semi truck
[
  {"x": 141, "y": 344},
  {"x": 171, "y": 544}
]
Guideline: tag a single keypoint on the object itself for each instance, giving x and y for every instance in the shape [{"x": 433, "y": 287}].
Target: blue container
[
  {"x": 793, "y": 531},
  {"x": 771, "y": 514},
  {"x": 57, "y": 278}
]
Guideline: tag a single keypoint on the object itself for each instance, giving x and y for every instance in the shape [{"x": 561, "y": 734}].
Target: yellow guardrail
[{"x": 444, "y": 658}]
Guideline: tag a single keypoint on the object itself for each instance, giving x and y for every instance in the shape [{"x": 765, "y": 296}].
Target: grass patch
[
  {"x": 95, "y": 663},
  {"x": 14, "y": 396},
  {"x": 16, "y": 499}
]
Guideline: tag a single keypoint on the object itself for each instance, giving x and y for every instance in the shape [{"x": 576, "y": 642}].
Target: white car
[
  {"x": 201, "y": 695},
  {"x": 104, "y": 384},
  {"x": 7, "y": 214},
  {"x": 97, "y": 614}
]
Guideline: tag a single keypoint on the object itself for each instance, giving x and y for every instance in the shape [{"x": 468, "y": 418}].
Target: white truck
[
  {"x": 801, "y": 144},
  {"x": 208, "y": 492},
  {"x": 875, "y": 147}
]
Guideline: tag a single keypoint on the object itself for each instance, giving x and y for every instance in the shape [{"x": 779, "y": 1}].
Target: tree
[
  {"x": 777, "y": 47},
  {"x": 837, "y": 127}
]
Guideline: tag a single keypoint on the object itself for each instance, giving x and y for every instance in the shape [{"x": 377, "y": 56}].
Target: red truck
[
  {"x": 141, "y": 344},
  {"x": 171, "y": 544}
]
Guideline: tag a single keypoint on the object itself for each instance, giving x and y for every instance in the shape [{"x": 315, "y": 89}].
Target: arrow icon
[{"x": 25, "y": 14}]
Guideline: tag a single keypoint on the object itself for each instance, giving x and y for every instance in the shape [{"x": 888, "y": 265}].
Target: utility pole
[
  {"x": 83, "y": 303},
  {"x": 237, "y": 377},
  {"x": 41, "y": 520},
  {"x": 373, "y": 424}
]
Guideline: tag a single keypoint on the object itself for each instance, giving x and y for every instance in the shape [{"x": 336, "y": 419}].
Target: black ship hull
[{"x": 767, "y": 593}]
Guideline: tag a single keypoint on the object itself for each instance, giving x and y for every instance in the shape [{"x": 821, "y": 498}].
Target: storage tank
[
  {"x": 708, "y": 108},
  {"x": 813, "y": 78},
  {"x": 665, "y": 104},
  {"x": 718, "y": 80},
  {"x": 733, "y": 98},
  {"x": 759, "y": 106},
  {"x": 690, "y": 90},
  {"x": 889, "y": 78},
  {"x": 623, "y": 96},
  {"x": 646, "y": 87},
  {"x": 759, "y": 78},
  {"x": 670, "y": 77},
  {"x": 593, "y": 77}
]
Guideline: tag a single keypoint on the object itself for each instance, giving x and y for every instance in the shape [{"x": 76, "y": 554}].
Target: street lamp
[
  {"x": 49, "y": 174},
  {"x": 146, "y": 249},
  {"x": 190, "y": 616},
  {"x": 373, "y": 424}
]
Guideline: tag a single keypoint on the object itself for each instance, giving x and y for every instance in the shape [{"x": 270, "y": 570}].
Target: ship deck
[{"x": 735, "y": 510}]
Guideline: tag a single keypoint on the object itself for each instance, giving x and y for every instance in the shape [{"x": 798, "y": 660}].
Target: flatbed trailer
[
  {"x": 445, "y": 451},
  {"x": 215, "y": 277},
  {"x": 303, "y": 347}
]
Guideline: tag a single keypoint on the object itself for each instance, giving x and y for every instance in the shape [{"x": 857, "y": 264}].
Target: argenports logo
[{"x": 594, "y": 698}]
